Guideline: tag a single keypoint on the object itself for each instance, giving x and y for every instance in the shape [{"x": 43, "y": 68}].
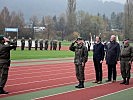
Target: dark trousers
[
  {"x": 112, "y": 71},
  {"x": 41, "y": 46},
  {"x": 14, "y": 48},
  {"x": 22, "y": 47},
  {"x": 59, "y": 47},
  {"x": 29, "y": 47},
  {"x": 125, "y": 69},
  {"x": 79, "y": 72},
  {"x": 3, "y": 74},
  {"x": 36, "y": 46},
  {"x": 98, "y": 70}
]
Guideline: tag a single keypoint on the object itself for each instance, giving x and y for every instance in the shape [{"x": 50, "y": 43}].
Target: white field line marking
[
  {"x": 43, "y": 81},
  {"x": 40, "y": 72},
  {"x": 30, "y": 61},
  {"x": 40, "y": 88},
  {"x": 38, "y": 76},
  {"x": 46, "y": 65},
  {"x": 69, "y": 91},
  {"x": 46, "y": 87},
  {"x": 66, "y": 68},
  {"x": 42, "y": 67},
  {"x": 35, "y": 89},
  {"x": 39, "y": 63},
  {"x": 46, "y": 68},
  {"x": 112, "y": 93},
  {"x": 49, "y": 79},
  {"x": 51, "y": 87},
  {"x": 29, "y": 90},
  {"x": 38, "y": 67},
  {"x": 47, "y": 75}
]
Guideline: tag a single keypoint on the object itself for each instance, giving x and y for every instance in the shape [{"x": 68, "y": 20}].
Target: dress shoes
[
  {"x": 108, "y": 81},
  {"x": 100, "y": 82},
  {"x": 95, "y": 82},
  {"x": 113, "y": 81}
]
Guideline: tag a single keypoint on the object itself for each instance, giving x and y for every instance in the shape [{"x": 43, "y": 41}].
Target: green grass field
[
  {"x": 66, "y": 43},
  {"x": 26, "y": 54}
]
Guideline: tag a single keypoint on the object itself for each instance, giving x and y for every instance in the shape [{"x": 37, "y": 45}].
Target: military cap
[
  {"x": 1, "y": 37},
  {"x": 126, "y": 39},
  {"x": 79, "y": 38}
]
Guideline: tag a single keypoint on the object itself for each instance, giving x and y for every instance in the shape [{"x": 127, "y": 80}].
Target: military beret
[
  {"x": 1, "y": 37},
  {"x": 79, "y": 38}
]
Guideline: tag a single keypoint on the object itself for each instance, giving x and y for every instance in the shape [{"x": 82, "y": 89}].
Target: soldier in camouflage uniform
[
  {"x": 126, "y": 58},
  {"x": 4, "y": 61},
  {"x": 81, "y": 57}
]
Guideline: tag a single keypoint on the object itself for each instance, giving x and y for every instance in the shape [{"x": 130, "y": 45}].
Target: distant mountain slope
[{"x": 55, "y": 7}]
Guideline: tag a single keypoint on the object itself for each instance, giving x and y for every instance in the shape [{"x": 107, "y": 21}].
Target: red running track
[
  {"x": 90, "y": 93},
  {"x": 40, "y": 77}
]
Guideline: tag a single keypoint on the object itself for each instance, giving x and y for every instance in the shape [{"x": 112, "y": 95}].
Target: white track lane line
[{"x": 112, "y": 93}]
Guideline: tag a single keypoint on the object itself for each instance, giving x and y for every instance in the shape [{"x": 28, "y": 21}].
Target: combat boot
[
  {"x": 124, "y": 81},
  {"x": 81, "y": 85},
  {"x": 3, "y": 91},
  {"x": 77, "y": 86}
]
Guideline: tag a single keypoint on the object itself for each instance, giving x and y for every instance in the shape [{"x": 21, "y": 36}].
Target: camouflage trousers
[
  {"x": 79, "y": 68},
  {"x": 4, "y": 68},
  {"x": 125, "y": 69}
]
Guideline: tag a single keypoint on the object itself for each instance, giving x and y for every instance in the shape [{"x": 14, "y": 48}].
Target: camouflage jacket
[{"x": 81, "y": 53}]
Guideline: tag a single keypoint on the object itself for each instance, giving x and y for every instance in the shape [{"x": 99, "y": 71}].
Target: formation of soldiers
[
  {"x": 41, "y": 44},
  {"x": 45, "y": 44}
]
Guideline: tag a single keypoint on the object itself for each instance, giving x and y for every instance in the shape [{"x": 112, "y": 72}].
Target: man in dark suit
[
  {"x": 98, "y": 57},
  {"x": 112, "y": 56}
]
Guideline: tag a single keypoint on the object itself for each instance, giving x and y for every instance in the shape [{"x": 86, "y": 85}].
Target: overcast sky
[{"x": 121, "y": 1}]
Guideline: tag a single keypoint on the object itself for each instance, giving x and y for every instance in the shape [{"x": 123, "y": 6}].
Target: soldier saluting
[
  {"x": 81, "y": 57},
  {"x": 4, "y": 61}
]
